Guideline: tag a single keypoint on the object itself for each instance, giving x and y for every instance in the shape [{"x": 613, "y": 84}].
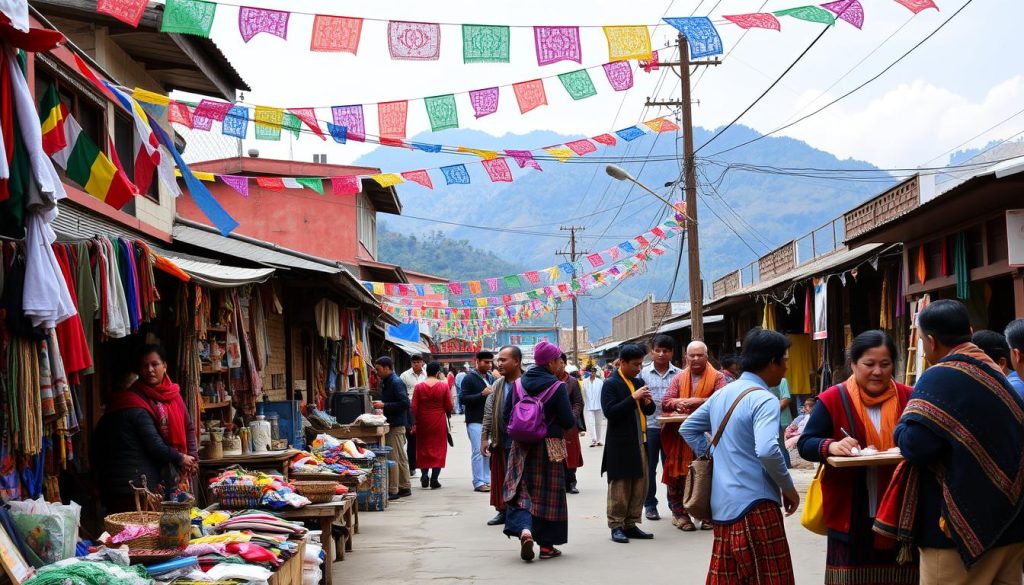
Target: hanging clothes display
[{"x": 328, "y": 319}]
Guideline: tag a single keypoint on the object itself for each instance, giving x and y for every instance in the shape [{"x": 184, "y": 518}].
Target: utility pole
[
  {"x": 690, "y": 181},
  {"x": 572, "y": 254}
]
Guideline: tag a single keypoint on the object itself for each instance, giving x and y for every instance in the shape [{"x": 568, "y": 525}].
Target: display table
[
  {"x": 275, "y": 461},
  {"x": 341, "y": 511},
  {"x": 290, "y": 572},
  {"x": 367, "y": 434}
]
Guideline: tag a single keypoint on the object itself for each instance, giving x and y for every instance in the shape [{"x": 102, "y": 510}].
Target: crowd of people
[{"x": 948, "y": 512}]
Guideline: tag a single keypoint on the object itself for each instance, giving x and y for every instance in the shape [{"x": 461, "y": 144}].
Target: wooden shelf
[
  {"x": 216, "y": 405},
  {"x": 216, "y": 329},
  {"x": 208, "y": 371}
]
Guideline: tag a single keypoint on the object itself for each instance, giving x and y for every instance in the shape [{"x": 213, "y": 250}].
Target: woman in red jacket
[{"x": 860, "y": 412}]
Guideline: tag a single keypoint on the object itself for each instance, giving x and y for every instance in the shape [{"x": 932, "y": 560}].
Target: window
[
  {"x": 125, "y": 145},
  {"x": 366, "y": 216}
]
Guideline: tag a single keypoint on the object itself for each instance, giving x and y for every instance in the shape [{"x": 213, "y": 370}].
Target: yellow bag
[{"x": 813, "y": 516}]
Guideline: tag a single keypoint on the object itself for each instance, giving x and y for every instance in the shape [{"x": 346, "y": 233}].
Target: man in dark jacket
[
  {"x": 394, "y": 400},
  {"x": 475, "y": 390},
  {"x": 626, "y": 404}
]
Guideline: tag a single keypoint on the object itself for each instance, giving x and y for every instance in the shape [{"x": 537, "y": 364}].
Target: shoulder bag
[
  {"x": 697, "y": 489},
  {"x": 813, "y": 516}
]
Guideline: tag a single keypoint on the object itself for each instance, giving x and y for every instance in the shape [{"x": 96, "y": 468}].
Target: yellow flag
[
  {"x": 378, "y": 288},
  {"x": 388, "y": 179},
  {"x": 481, "y": 302},
  {"x": 149, "y": 97},
  {"x": 628, "y": 42},
  {"x": 271, "y": 118},
  {"x": 560, "y": 152},
  {"x": 484, "y": 154}
]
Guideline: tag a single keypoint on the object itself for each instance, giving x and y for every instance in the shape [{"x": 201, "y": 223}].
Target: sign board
[{"x": 1015, "y": 236}]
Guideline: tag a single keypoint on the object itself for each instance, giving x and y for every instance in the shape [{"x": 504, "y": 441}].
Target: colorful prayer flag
[
  {"x": 129, "y": 11},
  {"x": 308, "y": 117},
  {"x": 917, "y": 6},
  {"x": 432, "y": 148},
  {"x": 455, "y": 175},
  {"x": 236, "y": 122},
  {"x": 492, "y": 284},
  {"x": 291, "y": 123},
  {"x": 212, "y": 109},
  {"x": 512, "y": 281},
  {"x": 474, "y": 287},
  {"x": 524, "y": 158},
  {"x": 849, "y": 10},
  {"x": 614, "y": 253},
  {"x": 484, "y": 154},
  {"x": 808, "y": 13},
  {"x": 270, "y": 183},
  {"x": 628, "y": 42},
  {"x": 351, "y": 118},
  {"x": 253, "y": 21},
  {"x": 311, "y": 183},
  {"x": 755, "y": 20},
  {"x": 148, "y": 157},
  {"x": 700, "y": 33},
  {"x": 442, "y": 112},
  {"x": 86, "y": 165},
  {"x": 391, "y": 116},
  {"x": 581, "y": 147},
  {"x": 336, "y": 34},
  {"x": 661, "y": 125},
  {"x": 388, "y": 179},
  {"x": 455, "y": 287},
  {"x": 178, "y": 113},
  {"x": 240, "y": 184},
  {"x": 485, "y": 43},
  {"x": 268, "y": 123},
  {"x": 642, "y": 241},
  {"x": 530, "y": 94},
  {"x": 188, "y": 17},
  {"x": 421, "y": 177},
  {"x": 557, "y": 43},
  {"x": 484, "y": 101},
  {"x": 498, "y": 171},
  {"x": 606, "y": 139},
  {"x": 559, "y": 152},
  {"x": 595, "y": 260},
  {"x": 347, "y": 185},
  {"x": 567, "y": 268},
  {"x": 619, "y": 74},
  {"x": 630, "y": 134},
  {"x": 414, "y": 41},
  {"x": 578, "y": 84},
  {"x": 51, "y": 119}
]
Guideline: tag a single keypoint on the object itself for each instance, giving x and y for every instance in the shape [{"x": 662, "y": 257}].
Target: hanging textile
[
  {"x": 960, "y": 266},
  {"x": 328, "y": 319},
  {"x": 768, "y": 320},
  {"x": 922, "y": 265},
  {"x": 801, "y": 364},
  {"x": 901, "y": 303},
  {"x": 808, "y": 311},
  {"x": 885, "y": 318},
  {"x": 820, "y": 308},
  {"x": 944, "y": 257}
]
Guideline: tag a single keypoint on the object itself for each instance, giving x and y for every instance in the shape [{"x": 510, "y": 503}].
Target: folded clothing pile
[
  {"x": 312, "y": 560},
  {"x": 332, "y": 450},
  {"x": 75, "y": 571},
  {"x": 276, "y": 492},
  {"x": 251, "y": 537},
  {"x": 305, "y": 462}
]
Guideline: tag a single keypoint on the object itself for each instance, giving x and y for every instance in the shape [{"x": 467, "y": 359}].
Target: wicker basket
[
  {"x": 318, "y": 492},
  {"x": 237, "y": 497},
  {"x": 115, "y": 523}
]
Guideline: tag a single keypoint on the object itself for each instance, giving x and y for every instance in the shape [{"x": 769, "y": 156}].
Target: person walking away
[
  {"x": 781, "y": 391},
  {"x": 592, "y": 404},
  {"x": 411, "y": 378},
  {"x": 626, "y": 404},
  {"x": 573, "y": 450},
  {"x": 475, "y": 390},
  {"x": 750, "y": 544},
  {"x": 657, "y": 376},
  {"x": 534, "y": 489},
  {"x": 458, "y": 388},
  {"x": 688, "y": 390},
  {"x": 394, "y": 400},
  {"x": 957, "y": 496},
  {"x": 1015, "y": 339},
  {"x": 494, "y": 440},
  {"x": 431, "y": 407},
  {"x": 859, "y": 412}
]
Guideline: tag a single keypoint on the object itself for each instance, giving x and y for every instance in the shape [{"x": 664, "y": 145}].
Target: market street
[{"x": 441, "y": 536}]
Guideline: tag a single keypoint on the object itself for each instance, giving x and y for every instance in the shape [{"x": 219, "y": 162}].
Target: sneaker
[
  {"x": 404, "y": 493},
  {"x": 652, "y": 513}
]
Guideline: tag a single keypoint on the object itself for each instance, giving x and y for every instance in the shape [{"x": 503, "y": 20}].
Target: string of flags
[{"x": 481, "y": 43}]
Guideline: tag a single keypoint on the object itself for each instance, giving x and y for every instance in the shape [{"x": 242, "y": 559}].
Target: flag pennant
[
  {"x": 388, "y": 179},
  {"x": 630, "y": 134},
  {"x": 270, "y": 183},
  {"x": 652, "y": 64},
  {"x": 456, "y": 288},
  {"x": 442, "y": 112},
  {"x": 581, "y": 147},
  {"x": 606, "y": 139},
  {"x": 498, "y": 171},
  {"x": 917, "y": 6},
  {"x": 700, "y": 33},
  {"x": 253, "y": 21},
  {"x": 849, "y": 10},
  {"x": 240, "y": 184},
  {"x": 154, "y": 103},
  {"x": 484, "y": 154},
  {"x": 437, "y": 288},
  {"x": 338, "y": 34},
  {"x": 392, "y": 118},
  {"x": 615, "y": 253},
  {"x": 559, "y": 152},
  {"x": 658, "y": 251},
  {"x": 308, "y": 117},
  {"x": 128, "y": 11},
  {"x": 492, "y": 284},
  {"x": 658, "y": 232},
  {"x": 421, "y": 177},
  {"x": 595, "y": 260},
  {"x": 484, "y": 101},
  {"x": 512, "y": 281},
  {"x": 455, "y": 175},
  {"x": 338, "y": 133},
  {"x": 432, "y": 148},
  {"x": 311, "y": 183},
  {"x": 530, "y": 95},
  {"x": 627, "y": 248},
  {"x": 661, "y": 125},
  {"x": 578, "y": 84},
  {"x": 532, "y": 277},
  {"x": 474, "y": 287},
  {"x": 292, "y": 124},
  {"x": 485, "y": 43},
  {"x": 628, "y": 42},
  {"x": 52, "y": 113},
  {"x": 755, "y": 20},
  {"x": 619, "y": 74},
  {"x": 347, "y": 185},
  {"x": 351, "y": 118},
  {"x": 189, "y": 17},
  {"x": 201, "y": 123},
  {"x": 808, "y": 13},
  {"x": 214, "y": 110},
  {"x": 557, "y": 43},
  {"x": 236, "y": 122},
  {"x": 567, "y": 268},
  {"x": 414, "y": 41},
  {"x": 86, "y": 165},
  {"x": 524, "y": 158},
  {"x": 268, "y": 123},
  {"x": 642, "y": 241},
  {"x": 178, "y": 113},
  {"x": 291, "y": 183}
]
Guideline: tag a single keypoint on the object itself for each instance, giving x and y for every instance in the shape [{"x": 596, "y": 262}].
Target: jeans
[
  {"x": 782, "y": 445},
  {"x": 481, "y": 464},
  {"x": 654, "y": 453}
]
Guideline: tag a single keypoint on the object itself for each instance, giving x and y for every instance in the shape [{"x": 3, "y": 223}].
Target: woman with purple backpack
[{"x": 534, "y": 488}]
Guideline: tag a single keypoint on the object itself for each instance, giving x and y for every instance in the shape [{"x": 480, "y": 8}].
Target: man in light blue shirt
[
  {"x": 1015, "y": 338},
  {"x": 749, "y": 469},
  {"x": 657, "y": 376}
]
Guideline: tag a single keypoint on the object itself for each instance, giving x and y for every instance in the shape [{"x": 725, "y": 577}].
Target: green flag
[
  {"x": 485, "y": 43},
  {"x": 292, "y": 124},
  {"x": 311, "y": 183},
  {"x": 442, "y": 112},
  {"x": 512, "y": 281},
  {"x": 578, "y": 84},
  {"x": 190, "y": 17},
  {"x": 809, "y": 13}
]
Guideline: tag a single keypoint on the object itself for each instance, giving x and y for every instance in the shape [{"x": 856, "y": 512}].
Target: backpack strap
[
  {"x": 547, "y": 394},
  {"x": 728, "y": 415}
]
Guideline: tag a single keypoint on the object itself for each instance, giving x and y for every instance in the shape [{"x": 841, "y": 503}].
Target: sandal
[
  {"x": 549, "y": 552},
  {"x": 526, "y": 546},
  {"x": 684, "y": 523},
  {"x": 707, "y": 526}
]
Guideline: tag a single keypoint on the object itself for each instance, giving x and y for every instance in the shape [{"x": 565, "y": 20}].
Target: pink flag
[
  {"x": 497, "y": 169},
  {"x": 455, "y": 287},
  {"x": 615, "y": 253},
  {"x": 620, "y": 75},
  {"x": 596, "y": 260},
  {"x": 657, "y": 251},
  {"x": 492, "y": 283},
  {"x": 849, "y": 10},
  {"x": 201, "y": 123},
  {"x": 661, "y": 125},
  {"x": 179, "y": 113},
  {"x": 916, "y": 6},
  {"x": 240, "y": 184},
  {"x": 271, "y": 183},
  {"x": 129, "y": 11},
  {"x": 530, "y": 94},
  {"x": 308, "y": 117},
  {"x": 606, "y": 139},
  {"x": 422, "y": 177},
  {"x": 414, "y": 41},
  {"x": 253, "y": 21},
  {"x": 391, "y": 117},
  {"x": 212, "y": 109},
  {"x": 642, "y": 241},
  {"x": 533, "y": 277},
  {"x": 351, "y": 117},
  {"x": 336, "y": 34},
  {"x": 347, "y": 185},
  {"x": 657, "y": 231},
  {"x": 581, "y": 147},
  {"x": 485, "y": 101},
  {"x": 755, "y": 20},
  {"x": 652, "y": 64},
  {"x": 557, "y": 43},
  {"x": 524, "y": 158}
]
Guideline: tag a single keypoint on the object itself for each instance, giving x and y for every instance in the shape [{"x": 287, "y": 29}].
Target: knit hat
[{"x": 544, "y": 353}]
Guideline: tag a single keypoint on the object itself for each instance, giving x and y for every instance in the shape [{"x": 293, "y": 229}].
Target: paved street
[{"x": 440, "y": 536}]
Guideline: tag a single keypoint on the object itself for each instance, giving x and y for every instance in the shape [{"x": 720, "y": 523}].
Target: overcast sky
[{"x": 967, "y": 78}]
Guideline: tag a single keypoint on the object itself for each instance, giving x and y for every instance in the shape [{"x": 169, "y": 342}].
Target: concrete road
[{"x": 441, "y": 536}]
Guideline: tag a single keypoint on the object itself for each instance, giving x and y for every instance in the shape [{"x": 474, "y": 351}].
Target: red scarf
[{"x": 163, "y": 402}]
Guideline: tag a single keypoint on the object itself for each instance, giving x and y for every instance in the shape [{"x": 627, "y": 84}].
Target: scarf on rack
[
  {"x": 163, "y": 402},
  {"x": 888, "y": 400},
  {"x": 970, "y": 406}
]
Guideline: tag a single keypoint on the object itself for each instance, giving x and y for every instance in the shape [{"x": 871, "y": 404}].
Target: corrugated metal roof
[
  {"x": 683, "y": 324},
  {"x": 75, "y": 223},
  {"x": 409, "y": 347},
  {"x": 263, "y": 254},
  {"x": 219, "y": 276}
]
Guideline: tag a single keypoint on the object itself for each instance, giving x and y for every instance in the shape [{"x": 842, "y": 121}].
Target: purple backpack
[{"x": 527, "y": 423}]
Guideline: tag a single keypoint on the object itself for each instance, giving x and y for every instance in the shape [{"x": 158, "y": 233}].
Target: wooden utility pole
[
  {"x": 573, "y": 255},
  {"x": 690, "y": 182}
]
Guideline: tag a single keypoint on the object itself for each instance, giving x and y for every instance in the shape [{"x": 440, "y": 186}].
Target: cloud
[{"x": 911, "y": 123}]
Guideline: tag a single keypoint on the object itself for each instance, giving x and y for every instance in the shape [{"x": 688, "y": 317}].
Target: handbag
[
  {"x": 448, "y": 432},
  {"x": 697, "y": 489},
  {"x": 813, "y": 516}
]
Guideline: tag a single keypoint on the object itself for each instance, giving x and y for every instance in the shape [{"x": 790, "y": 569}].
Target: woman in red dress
[{"x": 431, "y": 407}]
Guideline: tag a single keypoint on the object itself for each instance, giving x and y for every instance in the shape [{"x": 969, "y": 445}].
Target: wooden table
[
  {"x": 672, "y": 418},
  {"x": 290, "y": 572},
  {"x": 328, "y": 514},
  {"x": 276, "y": 461},
  {"x": 367, "y": 434}
]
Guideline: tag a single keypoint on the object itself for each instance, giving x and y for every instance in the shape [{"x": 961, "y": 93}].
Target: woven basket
[
  {"x": 318, "y": 492},
  {"x": 237, "y": 497},
  {"x": 115, "y": 523}
]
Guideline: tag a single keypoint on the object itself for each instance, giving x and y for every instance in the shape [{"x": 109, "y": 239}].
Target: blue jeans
[
  {"x": 654, "y": 453},
  {"x": 481, "y": 464},
  {"x": 782, "y": 445}
]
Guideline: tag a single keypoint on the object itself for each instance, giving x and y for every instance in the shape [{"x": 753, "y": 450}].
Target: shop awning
[
  {"x": 220, "y": 276},
  {"x": 684, "y": 323},
  {"x": 603, "y": 348},
  {"x": 409, "y": 347}
]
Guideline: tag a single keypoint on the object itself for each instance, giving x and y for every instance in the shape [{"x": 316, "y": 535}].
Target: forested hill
[{"x": 437, "y": 254}]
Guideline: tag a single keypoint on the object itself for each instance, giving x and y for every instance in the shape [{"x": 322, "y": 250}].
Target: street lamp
[{"x": 620, "y": 174}]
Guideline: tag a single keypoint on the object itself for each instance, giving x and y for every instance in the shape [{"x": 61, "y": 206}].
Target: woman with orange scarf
[{"x": 861, "y": 412}]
